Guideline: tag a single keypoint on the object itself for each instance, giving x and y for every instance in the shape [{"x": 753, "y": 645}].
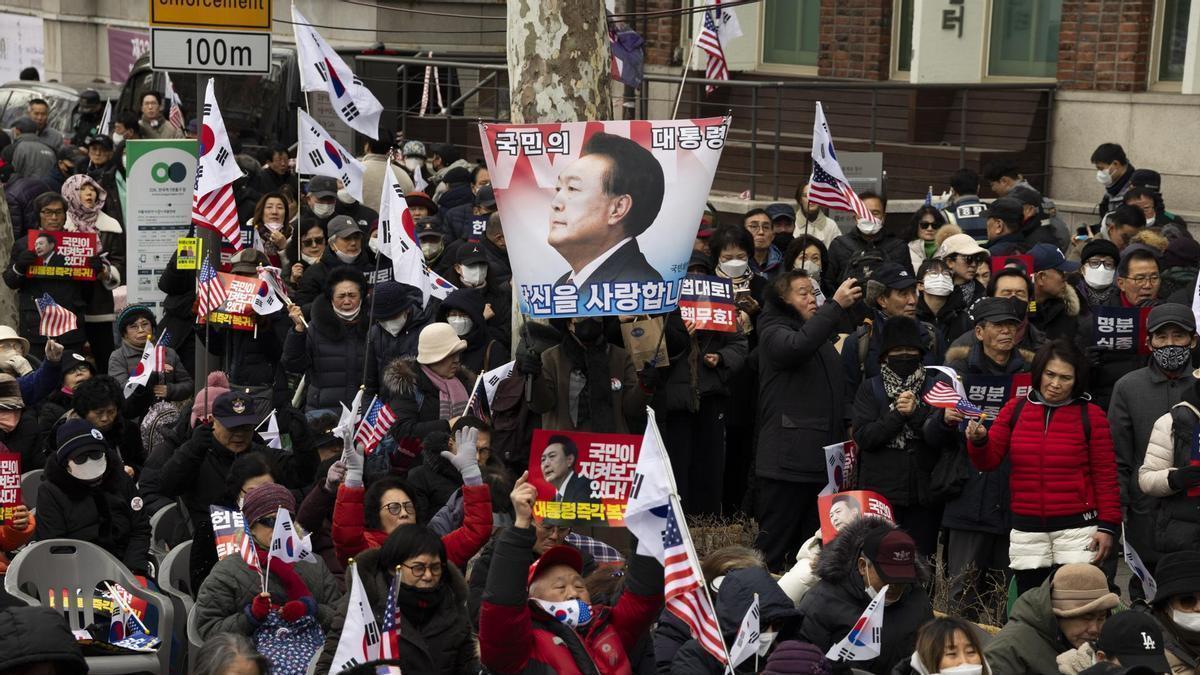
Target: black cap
[
  {"x": 901, "y": 331},
  {"x": 994, "y": 310},
  {"x": 894, "y": 276},
  {"x": 72, "y": 154},
  {"x": 1177, "y": 573},
  {"x": 1135, "y": 639},
  {"x": 1146, "y": 178},
  {"x": 428, "y": 227},
  {"x": 893, "y": 554},
  {"x": 485, "y": 197},
  {"x": 470, "y": 253},
  {"x": 1049, "y": 257},
  {"x": 456, "y": 175},
  {"x": 780, "y": 210},
  {"x": 235, "y": 409},
  {"x": 1171, "y": 313},
  {"x": 1026, "y": 195},
  {"x": 1100, "y": 247},
  {"x": 101, "y": 140},
  {"x": 322, "y": 187},
  {"x": 89, "y": 95},
  {"x": 76, "y": 437},
  {"x": 1008, "y": 209},
  {"x": 72, "y": 359}
]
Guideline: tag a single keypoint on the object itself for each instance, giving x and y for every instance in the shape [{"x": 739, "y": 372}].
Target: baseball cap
[
  {"x": 470, "y": 253},
  {"x": 1147, "y": 178},
  {"x": 76, "y": 437},
  {"x": 456, "y": 175},
  {"x": 486, "y": 197},
  {"x": 105, "y": 142},
  {"x": 959, "y": 244},
  {"x": 1135, "y": 639},
  {"x": 893, "y": 554},
  {"x": 89, "y": 95},
  {"x": 1026, "y": 195},
  {"x": 234, "y": 409},
  {"x": 1171, "y": 313},
  {"x": 322, "y": 187},
  {"x": 775, "y": 211},
  {"x": 994, "y": 310},
  {"x": 342, "y": 226},
  {"x": 1048, "y": 257},
  {"x": 894, "y": 276},
  {"x": 1008, "y": 209},
  {"x": 556, "y": 555},
  {"x": 429, "y": 227}
]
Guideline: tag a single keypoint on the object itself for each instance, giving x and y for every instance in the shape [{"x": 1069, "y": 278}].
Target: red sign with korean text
[
  {"x": 582, "y": 478},
  {"x": 62, "y": 255},
  {"x": 10, "y": 485},
  {"x": 842, "y": 508}
]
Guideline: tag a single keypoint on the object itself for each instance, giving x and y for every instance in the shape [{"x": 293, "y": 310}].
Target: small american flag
[
  {"x": 217, "y": 211},
  {"x": 709, "y": 42},
  {"x": 56, "y": 319},
  {"x": 375, "y": 424},
  {"x": 390, "y": 647},
  {"x": 176, "y": 115},
  {"x": 249, "y": 553},
  {"x": 684, "y": 590},
  {"x": 828, "y": 185},
  {"x": 942, "y": 395},
  {"x": 211, "y": 292}
]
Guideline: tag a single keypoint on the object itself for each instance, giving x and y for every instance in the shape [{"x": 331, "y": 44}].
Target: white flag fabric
[
  {"x": 105, "y": 126},
  {"x": 822, "y": 142},
  {"x": 175, "y": 116},
  {"x": 651, "y": 492},
  {"x": 955, "y": 380},
  {"x": 729, "y": 28},
  {"x": 1139, "y": 569},
  {"x": 359, "y": 642},
  {"x": 217, "y": 166},
  {"x": 396, "y": 227},
  {"x": 863, "y": 640},
  {"x": 419, "y": 182},
  {"x": 1196, "y": 303},
  {"x": 268, "y": 298},
  {"x": 835, "y": 468},
  {"x": 746, "y": 643},
  {"x": 286, "y": 544},
  {"x": 321, "y": 69},
  {"x": 493, "y": 378},
  {"x": 142, "y": 371},
  {"x": 271, "y": 435},
  {"x": 319, "y": 154}
]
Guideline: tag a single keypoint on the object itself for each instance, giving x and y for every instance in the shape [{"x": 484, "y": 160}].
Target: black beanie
[{"x": 901, "y": 331}]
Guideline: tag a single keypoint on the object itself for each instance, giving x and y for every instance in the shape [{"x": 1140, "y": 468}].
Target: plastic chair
[
  {"x": 159, "y": 528},
  {"x": 49, "y": 569},
  {"x": 175, "y": 579},
  {"x": 195, "y": 642},
  {"x": 31, "y": 482}
]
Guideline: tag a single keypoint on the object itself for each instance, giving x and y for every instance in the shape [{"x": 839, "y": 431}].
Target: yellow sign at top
[{"x": 243, "y": 14}]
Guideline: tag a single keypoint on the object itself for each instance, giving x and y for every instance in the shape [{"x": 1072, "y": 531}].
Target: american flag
[
  {"x": 160, "y": 352},
  {"x": 375, "y": 424},
  {"x": 709, "y": 42},
  {"x": 942, "y": 395},
  {"x": 684, "y": 590},
  {"x": 249, "y": 552},
  {"x": 390, "y": 647},
  {"x": 56, "y": 319},
  {"x": 211, "y": 291},
  {"x": 217, "y": 211},
  {"x": 176, "y": 115},
  {"x": 828, "y": 185}
]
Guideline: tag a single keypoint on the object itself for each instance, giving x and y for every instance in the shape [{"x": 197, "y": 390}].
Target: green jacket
[
  {"x": 1030, "y": 640},
  {"x": 231, "y": 585}
]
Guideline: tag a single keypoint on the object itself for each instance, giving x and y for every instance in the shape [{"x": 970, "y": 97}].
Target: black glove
[
  {"x": 529, "y": 362},
  {"x": 97, "y": 263},
  {"x": 1184, "y": 478},
  {"x": 23, "y": 260},
  {"x": 649, "y": 377}
]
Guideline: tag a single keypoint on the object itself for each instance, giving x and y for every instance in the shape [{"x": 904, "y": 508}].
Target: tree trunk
[{"x": 558, "y": 64}]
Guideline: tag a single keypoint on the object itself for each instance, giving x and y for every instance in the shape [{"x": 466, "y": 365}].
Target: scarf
[
  {"x": 1096, "y": 298},
  {"x": 292, "y": 583},
  {"x": 893, "y": 385},
  {"x": 420, "y": 605},
  {"x": 589, "y": 394},
  {"x": 452, "y": 395},
  {"x": 83, "y": 218}
]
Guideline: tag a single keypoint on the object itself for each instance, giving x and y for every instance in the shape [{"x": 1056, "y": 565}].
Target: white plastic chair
[
  {"x": 69, "y": 570},
  {"x": 175, "y": 579},
  {"x": 195, "y": 642},
  {"x": 31, "y": 482}
]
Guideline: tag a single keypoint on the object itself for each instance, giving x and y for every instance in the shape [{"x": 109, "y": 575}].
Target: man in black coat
[
  {"x": 1004, "y": 217},
  {"x": 801, "y": 408},
  {"x": 849, "y": 253},
  {"x": 347, "y": 247}
]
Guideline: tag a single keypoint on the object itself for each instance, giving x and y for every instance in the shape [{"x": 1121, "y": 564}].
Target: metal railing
[{"x": 917, "y": 127}]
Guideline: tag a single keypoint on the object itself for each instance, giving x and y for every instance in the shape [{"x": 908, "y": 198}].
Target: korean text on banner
[
  {"x": 228, "y": 528},
  {"x": 62, "y": 255},
  {"x": 708, "y": 301},
  {"x": 1120, "y": 329},
  {"x": 840, "y": 509},
  {"x": 553, "y": 182},
  {"x": 237, "y": 310},
  {"x": 10, "y": 485},
  {"x": 582, "y": 478}
]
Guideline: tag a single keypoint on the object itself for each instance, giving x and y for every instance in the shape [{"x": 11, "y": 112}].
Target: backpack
[
  {"x": 513, "y": 423},
  {"x": 861, "y": 264},
  {"x": 1087, "y": 422}
]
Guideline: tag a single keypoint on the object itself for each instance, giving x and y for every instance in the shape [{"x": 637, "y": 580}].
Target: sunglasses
[
  {"x": 928, "y": 225},
  {"x": 313, "y": 241},
  {"x": 1188, "y": 602},
  {"x": 90, "y": 455},
  {"x": 395, "y": 508}
]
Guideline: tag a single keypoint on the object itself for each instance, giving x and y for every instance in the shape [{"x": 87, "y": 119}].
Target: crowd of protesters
[{"x": 843, "y": 330}]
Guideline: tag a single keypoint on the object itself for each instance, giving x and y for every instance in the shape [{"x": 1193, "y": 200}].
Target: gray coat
[{"x": 125, "y": 358}]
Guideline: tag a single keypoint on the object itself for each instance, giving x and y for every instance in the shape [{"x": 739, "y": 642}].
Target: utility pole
[{"x": 558, "y": 63}]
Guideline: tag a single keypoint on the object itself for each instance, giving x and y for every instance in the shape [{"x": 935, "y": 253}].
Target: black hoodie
[{"x": 478, "y": 339}]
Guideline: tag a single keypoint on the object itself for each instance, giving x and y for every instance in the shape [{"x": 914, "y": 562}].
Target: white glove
[
  {"x": 353, "y": 459},
  {"x": 466, "y": 457},
  {"x": 16, "y": 364}
]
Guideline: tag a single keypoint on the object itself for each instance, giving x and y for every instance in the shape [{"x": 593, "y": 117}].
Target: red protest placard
[
  {"x": 10, "y": 484},
  {"x": 842, "y": 508},
  {"x": 62, "y": 255},
  {"x": 708, "y": 301},
  {"x": 582, "y": 478},
  {"x": 237, "y": 311}
]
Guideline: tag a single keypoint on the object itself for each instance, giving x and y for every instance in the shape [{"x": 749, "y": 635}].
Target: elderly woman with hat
[
  {"x": 86, "y": 495},
  {"x": 429, "y": 393},
  {"x": 231, "y": 599},
  {"x": 135, "y": 325},
  {"x": 85, "y": 203},
  {"x": 75, "y": 370},
  {"x": 329, "y": 350}
]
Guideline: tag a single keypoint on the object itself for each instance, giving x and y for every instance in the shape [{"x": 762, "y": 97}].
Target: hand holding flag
[{"x": 863, "y": 641}]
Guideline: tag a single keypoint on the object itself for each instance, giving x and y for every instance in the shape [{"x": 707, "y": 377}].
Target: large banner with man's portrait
[{"x": 599, "y": 217}]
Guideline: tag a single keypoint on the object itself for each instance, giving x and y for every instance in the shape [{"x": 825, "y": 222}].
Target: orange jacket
[{"x": 11, "y": 538}]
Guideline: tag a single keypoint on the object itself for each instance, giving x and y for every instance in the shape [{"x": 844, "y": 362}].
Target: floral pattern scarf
[{"x": 83, "y": 218}]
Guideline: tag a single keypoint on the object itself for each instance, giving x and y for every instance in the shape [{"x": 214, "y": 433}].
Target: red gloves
[
  {"x": 260, "y": 607},
  {"x": 294, "y": 610}
]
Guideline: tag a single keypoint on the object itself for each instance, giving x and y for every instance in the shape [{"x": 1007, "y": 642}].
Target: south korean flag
[
  {"x": 320, "y": 155},
  {"x": 321, "y": 69}
]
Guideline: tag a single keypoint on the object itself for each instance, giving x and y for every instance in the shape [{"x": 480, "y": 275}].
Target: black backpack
[{"x": 862, "y": 264}]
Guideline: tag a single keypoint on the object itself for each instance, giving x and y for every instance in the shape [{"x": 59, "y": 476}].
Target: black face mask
[
  {"x": 782, "y": 240},
  {"x": 588, "y": 331},
  {"x": 904, "y": 366}
]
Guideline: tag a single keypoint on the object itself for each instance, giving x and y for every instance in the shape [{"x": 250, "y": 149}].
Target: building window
[
  {"x": 791, "y": 32},
  {"x": 904, "y": 37},
  {"x": 1174, "y": 40},
  {"x": 1024, "y": 38}
]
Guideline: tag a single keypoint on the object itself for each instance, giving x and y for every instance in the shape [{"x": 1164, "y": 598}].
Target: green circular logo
[{"x": 163, "y": 172}]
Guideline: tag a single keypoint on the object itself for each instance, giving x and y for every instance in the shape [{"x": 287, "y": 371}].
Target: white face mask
[
  {"x": 938, "y": 284},
  {"x": 394, "y": 326},
  {"x": 322, "y": 210},
  {"x": 345, "y": 257},
  {"x": 868, "y": 227},
  {"x": 430, "y": 249},
  {"x": 348, "y": 316},
  {"x": 274, "y": 227},
  {"x": 414, "y": 164},
  {"x": 871, "y": 592},
  {"x": 373, "y": 244},
  {"x": 963, "y": 669},
  {"x": 117, "y": 138},
  {"x": 1104, "y": 177},
  {"x": 474, "y": 275},
  {"x": 460, "y": 324},
  {"x": 734, "y": 268},
  {"x": 89, "y": 471},
  {"x": 1189, "y": 621},
  {"x": 765, "y": 640},
  {"x": 311, "y": 260},
  {"x": 1098, "y": 277},
  {"x": 345, "y": 197},
  {"x": 812, "y": 267}
]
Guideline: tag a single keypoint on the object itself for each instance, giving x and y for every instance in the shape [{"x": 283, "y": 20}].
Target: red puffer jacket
[{"x": 1058, "y": 477}]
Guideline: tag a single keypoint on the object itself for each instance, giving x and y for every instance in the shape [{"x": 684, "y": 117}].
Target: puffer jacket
[
  {"x": 70, "y": 295},
  {"x": 1061, "y": 478},
  {"x": 515, "y": 637},
  {"x": 1177, "y": 516},
  {"x": 414, "y": 399},
  {"x": 386, "y": 348},
  {"x": 1031, "y": 640},
  {"x": 329, "y": 353},
  {"x": 111, "y": 240},
  {"x": 434, "y": 480},
  {"x": 445, "y": 644},
  {"x": 34, "y": 636},
  {"x": 832, "y": 607},
  {"x": 1058, "y": 317},
  {"x": 477, "y": 581},
  {"x": 313, "y": 282},
  {"x": 124, "y": 359}
]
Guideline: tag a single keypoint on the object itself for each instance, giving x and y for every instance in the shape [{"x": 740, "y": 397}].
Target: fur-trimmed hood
[
  {"x": 401, "y": 375},
  {"x": 838, "y": 561},
  {"x": 1071, "y": 299}
]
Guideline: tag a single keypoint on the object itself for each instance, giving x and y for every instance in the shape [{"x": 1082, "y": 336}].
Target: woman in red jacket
[{"x": 1066, "y": 506}]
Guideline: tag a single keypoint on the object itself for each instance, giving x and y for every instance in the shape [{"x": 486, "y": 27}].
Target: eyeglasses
[
  {"x": 90, "y": 455},
  {"x": 313, "y": 241},
  {"x": 564, "y": 530},
  {"x": 1144, "y": 279},
  {"x": 928, "y": 225},
  {"x": 1097, "y": 264},
  {"x": 269, "y": 521},
  {"x": 758, "y": 227},
  {"x": 53, "y": 212},
  {"x": 419, "y": 569},
  {"x": 395, "y": 508},
  {"x": 970, "y": 259}
]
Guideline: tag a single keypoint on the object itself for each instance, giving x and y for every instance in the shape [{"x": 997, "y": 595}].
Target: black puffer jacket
[
  {"x": 313, "y": 283},
  {"x": 386, "y": 347},
  {"x": 831, "y": 607},
  {"x": 329, "y": 353},
  {"x": 251, "y": 358},
  {"x": 23, "y": 440},
  {"x": 444, "y": 644},
  {"x": 38, "y": 635},
  {"x": 109, "y": 515},
  {"x": 435, "y": 479},
  {"x": 414, "y": 399},
  {"x": 71, "y": 295}
]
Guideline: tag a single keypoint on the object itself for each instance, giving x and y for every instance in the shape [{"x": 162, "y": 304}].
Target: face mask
[
  {"x": 938, "y": 284},
  {"x": 813, "y": 268},
  {"x": 274, "y": 227},
  {"x": 345, "y": 257},
  {"x": 430, "y": 249},
  {"x": 460, "y": 324},
  {"x": 474, "y": 275},
  {"x": 345, "y": 197},
  {"x": 414, "y": 164},
  {"x": 117, "y": 138},
  {"x": 869, "y": 228},
  {"x": 394, "y": 326},
  {"x": 573, "y": 613},
  {"x": 1150, "y": 221},
  {"x": 1173, "y": 358},
  {"x": 734, "y": 268},
  {"x": 348, "y": 316},
  {"x": 373, "y": 244},
  {"x": 1098, "y": 277},
  {"x": 588, "y": 330},
  {"x": 871, "y": 592},
  {"x": 904, "y": 366},
  {"x": 1189, "y": 621},
  {"x": 963, "y": 669},
  {"x": 322, "y": 210},
  {"x": 311, "y": 260},
  {"x": 89, "y": 470},
  {"x": 1104, "y": 177},
  {"x": 765, "y": 640}
]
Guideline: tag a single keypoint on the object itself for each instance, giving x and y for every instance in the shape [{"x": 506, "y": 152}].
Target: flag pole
[
  {"x": 683, "y": 78},
  {"x": 474, "y": 390},
  {"x": 264, "y": 420},
  {"x": 125, "y": 607},
  {"x": 387, "y": 180}
]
